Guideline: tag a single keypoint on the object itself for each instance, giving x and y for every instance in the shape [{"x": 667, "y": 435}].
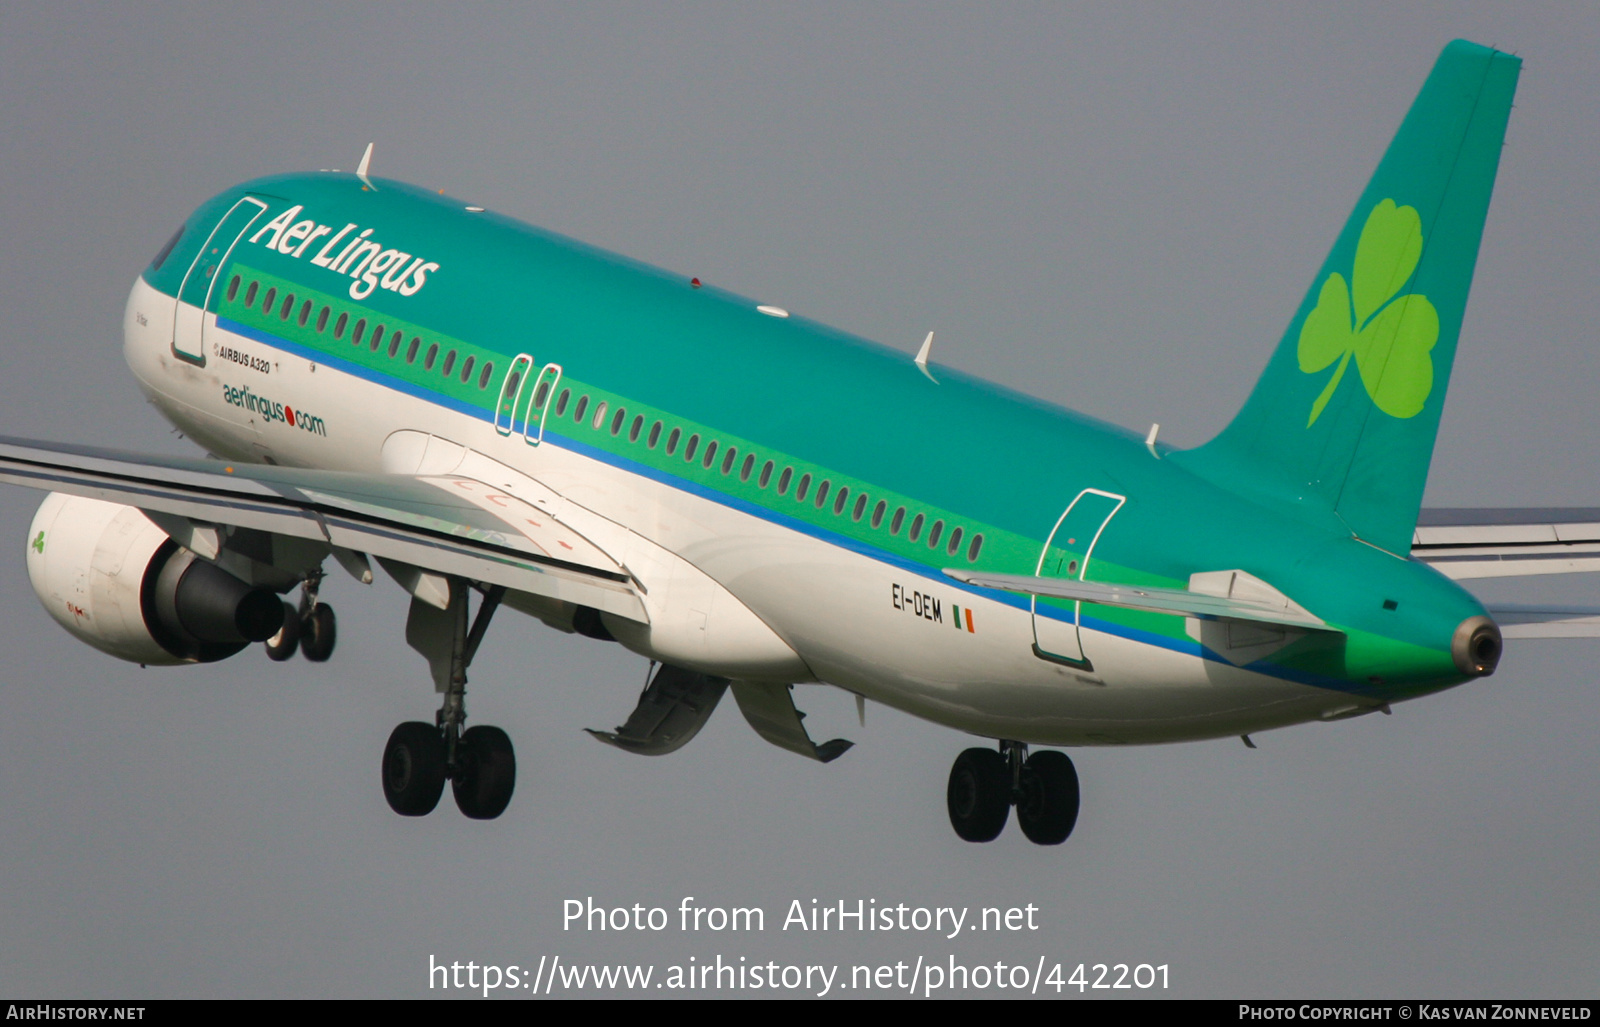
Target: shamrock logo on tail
[{"x": 1390, "y": 336}]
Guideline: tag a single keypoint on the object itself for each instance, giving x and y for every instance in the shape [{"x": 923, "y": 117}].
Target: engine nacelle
[{"x": 116, "y": 581}]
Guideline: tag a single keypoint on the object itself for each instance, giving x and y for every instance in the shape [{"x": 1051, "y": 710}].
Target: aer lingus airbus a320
[{"x": 755, "y": 500}]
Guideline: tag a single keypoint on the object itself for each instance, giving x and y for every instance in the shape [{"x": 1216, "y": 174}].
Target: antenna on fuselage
[
  {"x": 361, "y": 169},
  {"x": 922, "y": 358}
]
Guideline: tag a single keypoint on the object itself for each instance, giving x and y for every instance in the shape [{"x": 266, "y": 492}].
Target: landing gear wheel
[
  {"x": 283, "y": 645},
  {"x": 413, "y": 769},
  {"x": 486, "y": 772},
  {"x": 1048, "y": 806},
  {"x": 979, "y": 795},
  {"x": 318, "y": 632}
]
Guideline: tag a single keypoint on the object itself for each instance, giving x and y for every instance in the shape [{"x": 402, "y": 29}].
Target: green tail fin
[{"x": 1344, "y": 418}]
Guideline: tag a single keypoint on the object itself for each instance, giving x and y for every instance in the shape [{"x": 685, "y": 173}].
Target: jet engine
[{"x": 119, "y": 583}]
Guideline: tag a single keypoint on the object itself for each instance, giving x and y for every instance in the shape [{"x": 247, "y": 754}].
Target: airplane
[{"x": 751, "y": 500}]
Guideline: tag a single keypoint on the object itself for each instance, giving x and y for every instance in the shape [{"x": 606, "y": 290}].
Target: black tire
[
  {"x": 318, "y": 633},
  {"x": 413, "y": 769},
  {"x": 979, "y": 795},
  {"x": 486, "y": 772},
  {"x": 284, "y": 644},
  {"x": 1048, "y": 808}
]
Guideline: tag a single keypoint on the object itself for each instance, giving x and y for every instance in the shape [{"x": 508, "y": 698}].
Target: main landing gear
[
  {"x": 985, "y": 784},
  {"x": 479, "y": 762},
  {"x": 311, "y": 628}
]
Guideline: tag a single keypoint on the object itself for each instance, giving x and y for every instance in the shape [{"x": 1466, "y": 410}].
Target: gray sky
[{"x": 1115, "y": 207}]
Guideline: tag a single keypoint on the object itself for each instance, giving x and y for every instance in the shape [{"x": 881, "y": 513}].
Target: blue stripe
[{"x": 622, "y": 463}]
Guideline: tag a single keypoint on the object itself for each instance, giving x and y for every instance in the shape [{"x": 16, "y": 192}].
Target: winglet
[
  {"x": 361, "y": 169},
  {"x": 922, "y": 358}
]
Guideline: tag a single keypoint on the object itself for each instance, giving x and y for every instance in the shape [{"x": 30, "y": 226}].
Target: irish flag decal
[{"x": 962, "y": 618}]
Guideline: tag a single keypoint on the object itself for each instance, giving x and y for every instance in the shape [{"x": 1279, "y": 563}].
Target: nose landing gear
[{"x": 985, "y": 784}]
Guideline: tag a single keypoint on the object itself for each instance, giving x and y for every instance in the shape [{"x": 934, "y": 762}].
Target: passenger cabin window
[
  {"x": 485, "y": 375},
  {"x": 466, "y": 370},
  {"x": 305, "y": 313},
  {"x": 974, "y": 548},
  {"x": 955, "y": 542},
  {"x": 377, "y": 337},
  {"x": 339, "y": 325},
  {"x": 916, "y": 527},
  {"x": 394, "y": 343},
  {"x": 599, "y": 415},
  {"x": 322, "y": 319},
  {"x": 783, "y": 480},
  {"x": 411, "y": 351},
  {"x": 637, "y": 426},
  {"x": 655, "y": 435},
  {"x": 672, "y": 441},
  {"x": 822, "y": 493},
  {"x": 287, "y": 308},
  {"x": 433, "y": 354},
  {"x": 839, "y": 501},
  {"x": 561, "y": 401},
  {"x": 233, "y": 288},
  {"x": 877, "y": 513},
  {"x": 250, "y": 295},
  {"x": 577, "y": 412},
  {"x": 711, "y": 454},
  {"x": 688, "y": 450},
  {"x": 450, "y": 365},
  {"x": 361, "y": 329},
  {"x": 268, "y": 300},
  {"x": 899, "y": 519},
  {"x": 861, "y": 508},
  {"x": 728, "y": 458},
  {"x": 934, "y": 533},
  {"x": 617, "y": 419},
  {"x": 801, "y": 489}
]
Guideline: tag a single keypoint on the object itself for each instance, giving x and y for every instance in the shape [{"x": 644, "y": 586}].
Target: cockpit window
[{"x": 166, "y": 251}]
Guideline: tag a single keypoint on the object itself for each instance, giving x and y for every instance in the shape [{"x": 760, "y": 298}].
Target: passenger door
[
  {"x": 1066, "y": 554},
  {"x": 198, "y": 293}
]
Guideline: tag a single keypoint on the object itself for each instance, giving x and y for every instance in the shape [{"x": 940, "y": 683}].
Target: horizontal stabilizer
[
  {"x": 1507, "y": 543},
  {"x": 1264, "y": 609},
  {"x": 1547, "y": 621}
]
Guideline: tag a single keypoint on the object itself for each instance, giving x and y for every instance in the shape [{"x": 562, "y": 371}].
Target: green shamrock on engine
[{"x": 1390, "y": 336}]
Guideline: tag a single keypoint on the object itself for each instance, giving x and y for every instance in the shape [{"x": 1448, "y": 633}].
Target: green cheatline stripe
[{"x": 1003, "y": 551}]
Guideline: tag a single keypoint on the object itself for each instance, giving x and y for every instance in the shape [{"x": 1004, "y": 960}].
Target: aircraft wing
[
  {"x": 1471, "y": 543},
  {"x": 448, "y": 524},
  {"x": 1261, "y": 609}
]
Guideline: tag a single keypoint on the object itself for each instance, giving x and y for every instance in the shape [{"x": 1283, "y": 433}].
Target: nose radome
[{"x": 1476, "y": 646}]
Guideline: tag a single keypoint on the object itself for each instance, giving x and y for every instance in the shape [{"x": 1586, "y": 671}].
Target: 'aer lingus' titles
[{"x": 370, "y": 263}]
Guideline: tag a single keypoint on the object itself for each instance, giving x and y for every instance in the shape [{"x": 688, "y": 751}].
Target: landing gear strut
[
  {"x": 479, "y": 761},
  {"x": 985, "y": 784}
]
